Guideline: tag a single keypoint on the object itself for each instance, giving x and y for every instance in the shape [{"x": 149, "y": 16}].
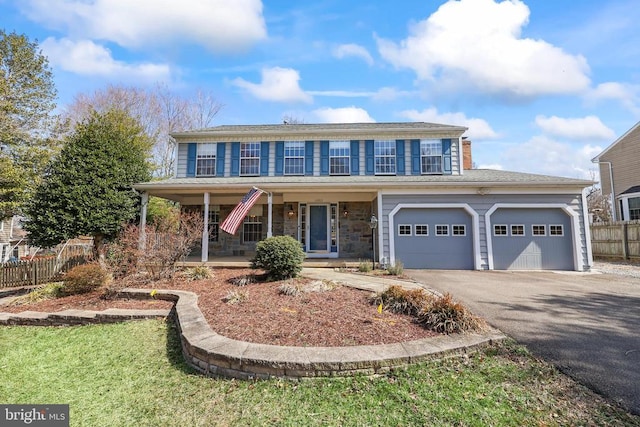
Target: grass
[{"x": 133, "y": 374}]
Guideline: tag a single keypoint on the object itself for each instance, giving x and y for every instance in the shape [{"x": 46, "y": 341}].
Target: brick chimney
[{"x": 467, "y": 162}]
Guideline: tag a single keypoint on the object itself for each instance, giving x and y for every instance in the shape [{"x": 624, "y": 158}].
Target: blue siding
[
  {"x": 235, "y": 158},
  {"x": 355, "y": 157},
  {"x": 264, "y": 158},
  {"x": 415, "y": 157},
  {"x": 324, "y": 157},
  {"x": 220, "y": 152},
  {"x": 192, "y": 150},
  {"x": 400, "y": 157},
  {"x": 446, "y": 156},
  {"x": 308, "y": 158},
  {"x": 279, "y": 158},
  {"x": 369, "y": 158}
]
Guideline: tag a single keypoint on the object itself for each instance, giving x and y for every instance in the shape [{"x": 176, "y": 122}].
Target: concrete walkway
[{"x": 586, "y": 324}]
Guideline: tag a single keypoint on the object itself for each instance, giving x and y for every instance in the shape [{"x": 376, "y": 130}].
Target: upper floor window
[
  {"x": 339, "y": 157},
  {"x": 385, "y": 157},
  {"x": 206, "y": 159},
  {"x": 250, "y": 159},
  {"x": 294, "y": 158},
  {"x": 431, "y": 156}
]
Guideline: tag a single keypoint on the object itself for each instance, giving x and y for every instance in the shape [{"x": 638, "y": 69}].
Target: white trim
[
  {"x": 524, "y": 233},
  {"x": 587, "y": 228},
  {"x": 269, "y": 214},
  {"x": 142, "y": 234},
  {"x": 578, "y": 262},
  {"x": 460, "y": 157},
  {"x": 506, "y": 230},
  {"x": 446, "y": 227},
  {"x": 381, "y": 226},
  {"x": 475, "y": 221},
  {"x": 204, "y": 257},
  {"x": 405, "y": 225},
  {"x": 544, "y": 229}
]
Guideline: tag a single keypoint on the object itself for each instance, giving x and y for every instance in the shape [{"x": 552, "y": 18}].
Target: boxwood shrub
[{"x": 280, "y": 256}]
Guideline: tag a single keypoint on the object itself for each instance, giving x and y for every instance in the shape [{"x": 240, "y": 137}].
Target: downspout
[{"x": 613, "y": 194}]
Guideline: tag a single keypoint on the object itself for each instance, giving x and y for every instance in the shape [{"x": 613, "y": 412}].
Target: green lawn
[{"x": 132, "y": 374}]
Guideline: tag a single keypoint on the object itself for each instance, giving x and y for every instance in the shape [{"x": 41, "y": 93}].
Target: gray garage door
[
  {"x": 434, "y": 238},
  {"x": 532, "y": 239}
]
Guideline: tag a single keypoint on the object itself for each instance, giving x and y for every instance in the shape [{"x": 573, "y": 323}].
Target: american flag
[{"x": 235, "y": 218}]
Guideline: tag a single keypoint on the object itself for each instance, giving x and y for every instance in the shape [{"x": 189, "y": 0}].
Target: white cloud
[
  {"x": 478, "y": 128},
  {"x": 547, "y": 156},
  {"x": 87, "y": 58},
  {"x": 219, "y": 25},
  {"x": 343, "y": 115},
  {"x": 627, "y": 94},
  {"x": 278, "y": 84},
  {"x": 585, "y": 128},
  {"x": 495, "y": 166},
  {"x": 353, "y": 50},
  {"x": 479, "y": 43}
]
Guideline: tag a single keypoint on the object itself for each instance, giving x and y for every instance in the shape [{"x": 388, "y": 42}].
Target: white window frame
[
  {"x": 554, "y": 234},
  {"x": 506, "y": 230},
  {"x": 517, "y": 235},
  {"x": 294, "y": 152},
  {"x": 447, "y": 228},
  {"x": 464, "y": 230},
  {"x": 340, "y": 150},
  {"x": 206, "y": 155},
  {"x": 426, "y": 228},
  {"x": 251, "y": 226},
  {"x": 634, "y": 213},
  {"x": 431, "y": 149},
  {"x": 401, "y": 226},
  {"x": 381, "y": 148},
  {"x": 249, "y": 155},
  {"x": 533, "y": 230},
  {"x": 214, "y": 223}
]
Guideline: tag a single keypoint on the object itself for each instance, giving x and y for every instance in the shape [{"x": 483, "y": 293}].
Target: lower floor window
[
  {"x": 500, "y": 230},
  {"x": 556, "y": 230},
  {"x": 442, "y": 230},
  {"x": 539, "y": 230},
  {"x": 634, "y": 208},
  {"x": 252, "y": 229},
  {"x": 517, "y": 230},
  {"x": 404, "y": 230},
  {"x": 459, "y": 230},
  {"x": 422, "y": 229},
  {"x": 214, "y": 225}
]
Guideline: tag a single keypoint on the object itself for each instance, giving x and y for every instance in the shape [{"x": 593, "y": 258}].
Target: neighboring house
[
  {"x": 620, "y": 175},
  {"x": 325, "y": 182},
  {"x": 13, "y": 239}
]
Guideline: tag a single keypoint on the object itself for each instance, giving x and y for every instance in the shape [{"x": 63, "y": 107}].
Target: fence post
[{"x": 625, "y": 241}]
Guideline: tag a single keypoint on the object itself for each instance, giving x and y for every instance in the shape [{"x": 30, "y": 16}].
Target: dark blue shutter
[
  {"x": 264, "y": 158},
  {"x": 192, "y": 151},
  {"x": 235, "y": 158},
  {"x": 369, "y": 158},
  {"x": 324, "y": 157},
  {"x": 220, "y": 152},
  {"x": 279, "y": 158},
  {"x": 446, "y": 156},
  {"x": 415, "y": 157},
  {"x": 355, "y": 157},
  {"x": 308, "y": 158},
  {"x": 400, "y": 157}
]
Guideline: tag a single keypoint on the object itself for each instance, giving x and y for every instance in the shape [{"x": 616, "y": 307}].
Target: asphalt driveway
[{"x": 586, "y": 324}]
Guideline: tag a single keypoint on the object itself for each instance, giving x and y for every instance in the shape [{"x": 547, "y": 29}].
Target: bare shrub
[
  {"x": 403, "y": 301},
  {"x": 165, "y": 243},
  {"x": 243, "y": 280},
  {"x": 447, "y": 316},
  {"x": 236, "y": 297},
  {"x": 289, "y": 290},
  {"x": 84, "y": 278},
  {"x": 200, "y": 272}
]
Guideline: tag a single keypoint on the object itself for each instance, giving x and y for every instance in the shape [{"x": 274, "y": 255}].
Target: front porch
[{"x": 244, "y": 262}]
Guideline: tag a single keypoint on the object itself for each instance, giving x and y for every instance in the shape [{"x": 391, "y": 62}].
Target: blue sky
[{"x": 543, "y": 86}]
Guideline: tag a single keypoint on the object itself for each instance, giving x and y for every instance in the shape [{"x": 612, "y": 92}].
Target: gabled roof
[
  {"x": 597, "y": 158},
  {"x": 631, "y": 190},
  {"x": 319, "y": 128}
]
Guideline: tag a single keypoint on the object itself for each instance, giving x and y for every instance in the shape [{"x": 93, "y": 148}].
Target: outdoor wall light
[
  {"x": 345, "y": 211},
  {"x": 291, "y": 212}
]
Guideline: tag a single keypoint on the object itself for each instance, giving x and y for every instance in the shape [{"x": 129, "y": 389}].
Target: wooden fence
[
  {"x": 616, "y": 240},
  {"x": 38, "y": 271}
]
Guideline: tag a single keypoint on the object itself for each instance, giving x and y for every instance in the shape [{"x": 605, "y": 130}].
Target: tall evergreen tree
[{"x": 88, "y": 187}]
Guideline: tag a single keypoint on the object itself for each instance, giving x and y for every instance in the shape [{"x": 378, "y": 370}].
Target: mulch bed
[{"x": 338, "y": 317}]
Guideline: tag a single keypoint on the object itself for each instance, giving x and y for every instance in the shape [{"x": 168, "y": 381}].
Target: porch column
[
  {"x": 269, "y": 214},
  {"x": 142, "y": 237},
  {"x": 205, "y": 231}
]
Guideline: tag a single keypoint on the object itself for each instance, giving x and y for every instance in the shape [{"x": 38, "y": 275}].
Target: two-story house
[
  {"x": 619, "y": 166},
  {"x": 325, "y": 183}
]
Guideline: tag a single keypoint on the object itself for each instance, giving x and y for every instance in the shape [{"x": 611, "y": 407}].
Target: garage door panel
[
  {"x": 532, "y": 252},
  {"x": 433, "y": 251}
]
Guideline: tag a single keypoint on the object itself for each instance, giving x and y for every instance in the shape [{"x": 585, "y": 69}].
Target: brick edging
[{"x": 216, "y": 355}]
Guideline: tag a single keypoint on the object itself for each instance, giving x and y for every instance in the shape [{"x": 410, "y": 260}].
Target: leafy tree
[
  {"x": 27, "y": 92},
  {"x": 88, "y": 188},
  {"x": 27, "y": 128}
]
